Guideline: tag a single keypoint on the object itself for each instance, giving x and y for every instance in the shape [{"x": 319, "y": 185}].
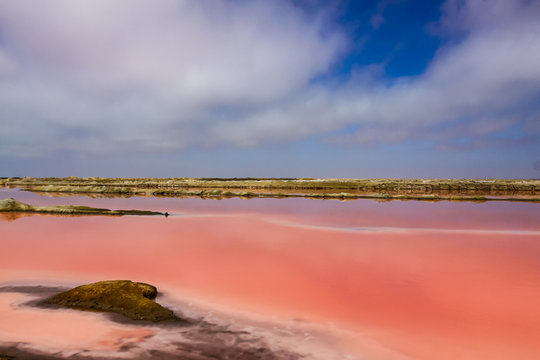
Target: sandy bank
[{"x": 11, "y": 205}]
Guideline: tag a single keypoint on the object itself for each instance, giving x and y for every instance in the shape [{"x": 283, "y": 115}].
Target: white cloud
[
  {"x": 137, "y": 70},
  {"x": 485, "y": 83},
  {"x": 105, "y": 76},
  {"x": 187, "y": 50},
  {"x": 7, "y": 65}
]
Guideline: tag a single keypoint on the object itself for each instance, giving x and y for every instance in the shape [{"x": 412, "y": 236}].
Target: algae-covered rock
[{"x": 130, "y": 299}]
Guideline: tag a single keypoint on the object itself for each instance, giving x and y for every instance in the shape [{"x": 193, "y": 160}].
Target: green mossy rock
[{"x": 130, "y": 299}]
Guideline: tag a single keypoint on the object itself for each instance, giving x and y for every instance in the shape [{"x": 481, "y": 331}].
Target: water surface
[{"x": 383, "y": 280}]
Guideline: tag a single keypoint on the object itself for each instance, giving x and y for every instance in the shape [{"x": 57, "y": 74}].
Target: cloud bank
[{"x": 106, "y": 77}]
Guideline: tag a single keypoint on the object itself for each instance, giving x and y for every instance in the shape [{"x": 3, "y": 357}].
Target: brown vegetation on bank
[
  {"x": 10, "y": 205},
  {"x": 344, "y": 189}
]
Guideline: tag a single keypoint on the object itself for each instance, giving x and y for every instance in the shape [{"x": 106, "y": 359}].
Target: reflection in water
[
  {"x": 11, "y": 216},
  {"x": 412, "y": 280}
]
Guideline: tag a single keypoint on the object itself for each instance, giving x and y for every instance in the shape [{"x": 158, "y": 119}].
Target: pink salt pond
[{"x": 394, "y": 280}]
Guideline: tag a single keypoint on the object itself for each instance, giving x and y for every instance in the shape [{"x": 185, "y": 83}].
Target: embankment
[{"x": 343, "y": 189}]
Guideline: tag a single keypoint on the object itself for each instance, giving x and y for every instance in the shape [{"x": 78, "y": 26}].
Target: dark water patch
[{"x": 13, "y": 352}]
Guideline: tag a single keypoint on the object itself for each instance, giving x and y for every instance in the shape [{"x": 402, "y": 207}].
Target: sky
[{"x": 270, "y": 88}]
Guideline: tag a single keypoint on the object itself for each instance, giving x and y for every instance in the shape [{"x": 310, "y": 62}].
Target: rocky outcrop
[{"x": 130, "y": 299}]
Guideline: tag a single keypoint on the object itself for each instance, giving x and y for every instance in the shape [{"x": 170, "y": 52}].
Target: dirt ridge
[{"x": 344, "y": 189}]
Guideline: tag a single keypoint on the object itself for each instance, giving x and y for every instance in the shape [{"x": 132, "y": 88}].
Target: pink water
[{"x": 403, "y": 280}]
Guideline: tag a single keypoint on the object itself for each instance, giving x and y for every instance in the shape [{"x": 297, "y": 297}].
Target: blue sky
[{"x": 285, "y": 88}]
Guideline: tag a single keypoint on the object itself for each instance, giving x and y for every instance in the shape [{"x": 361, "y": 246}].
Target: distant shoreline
[{"x": 341, "y": 189}]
